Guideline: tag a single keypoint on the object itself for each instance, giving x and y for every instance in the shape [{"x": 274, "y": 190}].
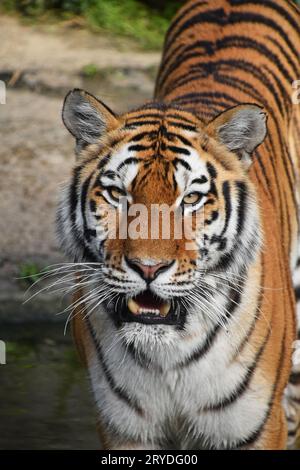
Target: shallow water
[{"x": 45, "y": 401}]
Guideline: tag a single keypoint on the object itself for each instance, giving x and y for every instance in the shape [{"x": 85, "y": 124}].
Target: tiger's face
[{"x": 160, "y": 202}]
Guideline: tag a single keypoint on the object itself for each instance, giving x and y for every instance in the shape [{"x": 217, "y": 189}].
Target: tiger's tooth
[
  {"x": 164, "y": 309},
  {"x": 137, "y": 310},
  {"x": 133, "y": 306}
]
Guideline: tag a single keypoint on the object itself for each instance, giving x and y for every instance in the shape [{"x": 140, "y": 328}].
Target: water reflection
[{"x": 45, "y": 401}]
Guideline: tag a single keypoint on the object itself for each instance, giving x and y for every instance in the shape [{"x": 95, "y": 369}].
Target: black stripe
[
  {"x": 243, "y": 42},
  {"x": 242, "y": 197},
  {"x": 248, "y": 334},
  {"x": 228, "y": 207},
  {"x": 214, "y": 108},
  {"x": 139, "y": 147},
  {"x": 297, "y": 293},
  {"x": 148, "y": 135},
  {"x": 294, "y": 65},
  {"x": 180, "y": 150},
  {"x": 272, "y": 5},
  {"x": 211, "y": 170},
  {"x": 294, "y": 378},
  {"x": 104, "y": 160},
  {"x": 202, "y": 350},
  {"x": 217, "y": 16},
  {"x": 108, "y": 174},
  {"x": 134, "y": 124},
  {"x": 84, "y": 191},
  {"x": 141, "y": 359},
  {"x": 206, "y": 94},
  {"x": 220, "y": 17},
  {"x": 238, "y": 41},
  {"x": 177, "y": 161},
  {"x": 131, "y": 402},
  {"x": 142, "y": 180},
  {"x": 184, "y": 127},
  {"x": 249, "y": 17},
  {"x": 212, "y": 47},
  {"x": 128, "y": 161},
  {"x": 283, "y": 92},
  {"x": 233, "y": 302},
  {"x": 146, "y": 116},
  {"x": 171, "y": 136},
  {"x": 93, "y": 205},
  {"x": 201, "y": 180},
  {"x": 182, "y": 13},
  {"x": 243, "y": 386},
  {"x": 215, "y": 68},
  {"x": 180, "y": 118},
  {"x": 73, "y": 195},
  {"x": 179, "y": 59},
  {"x": 214, "y": 104},
  {"x": 254, "y": 436}
]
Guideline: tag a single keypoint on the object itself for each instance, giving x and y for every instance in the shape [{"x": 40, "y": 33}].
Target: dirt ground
[{"x": 39, "y": 64}]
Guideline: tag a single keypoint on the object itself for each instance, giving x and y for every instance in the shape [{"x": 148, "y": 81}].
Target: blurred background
[{"x": 112, "y": 49}]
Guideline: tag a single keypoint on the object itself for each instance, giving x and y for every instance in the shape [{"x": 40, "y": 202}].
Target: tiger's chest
[{"x": 204, "y": 404}]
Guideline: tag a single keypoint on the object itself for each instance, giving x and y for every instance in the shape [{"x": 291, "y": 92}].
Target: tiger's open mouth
[
  {"x": 148, "y": 305},
  {"x": 147, "y": 308}
]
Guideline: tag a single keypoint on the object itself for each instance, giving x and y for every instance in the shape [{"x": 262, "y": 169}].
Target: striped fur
[{"x": 218, "y": 377}]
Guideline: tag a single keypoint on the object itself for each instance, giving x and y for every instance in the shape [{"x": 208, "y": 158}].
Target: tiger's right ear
[
  {"x": 87, "y": 118},
  {"x": 241, "y": 129}
]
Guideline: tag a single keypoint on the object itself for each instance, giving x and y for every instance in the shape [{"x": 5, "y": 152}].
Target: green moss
[
  {"x": 30, "y": 272},
  {"x": 129, "y": 18},
  {"x": 90, "y": 70},
  {"x": 145, "y": 21},
  {"x": 16, "y": 351}
]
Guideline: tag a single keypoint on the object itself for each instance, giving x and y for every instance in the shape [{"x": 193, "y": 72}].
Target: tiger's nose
[{"x": 147, "y": 270}]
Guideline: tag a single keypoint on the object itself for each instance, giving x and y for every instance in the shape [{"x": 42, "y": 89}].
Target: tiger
[{"x": 189, "y": 341}]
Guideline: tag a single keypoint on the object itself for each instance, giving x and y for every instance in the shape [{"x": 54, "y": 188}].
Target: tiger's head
[{"x": 159, "y": 155}]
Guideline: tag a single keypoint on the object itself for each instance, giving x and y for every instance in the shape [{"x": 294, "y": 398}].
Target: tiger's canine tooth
[
  {"x": 164, "y": 309},
  {"x": 133, "y": 306}
]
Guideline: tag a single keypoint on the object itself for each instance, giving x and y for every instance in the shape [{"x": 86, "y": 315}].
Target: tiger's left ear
[
  {"x": 87, "y": 118},
  {"x": 241, "y": 129}
]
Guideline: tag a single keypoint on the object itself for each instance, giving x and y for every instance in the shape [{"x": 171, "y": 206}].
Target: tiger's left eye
[{"x": 192, "y": 198}]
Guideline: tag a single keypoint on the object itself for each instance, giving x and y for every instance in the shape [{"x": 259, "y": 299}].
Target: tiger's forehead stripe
[{"x": 154, "y": 116}]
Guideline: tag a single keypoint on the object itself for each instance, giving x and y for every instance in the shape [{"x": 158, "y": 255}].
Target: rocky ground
[{"x": 39, "y": 64}]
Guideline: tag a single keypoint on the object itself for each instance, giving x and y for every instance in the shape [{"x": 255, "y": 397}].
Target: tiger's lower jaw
[{"x": 148, "y": 309}]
